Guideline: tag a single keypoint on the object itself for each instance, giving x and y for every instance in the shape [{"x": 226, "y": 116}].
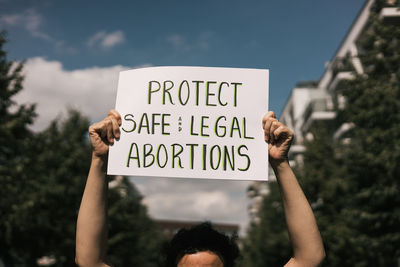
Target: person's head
[{"x": 201, "y": 245}]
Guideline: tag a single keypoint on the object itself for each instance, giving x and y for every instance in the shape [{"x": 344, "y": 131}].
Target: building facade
[{"x": 314, "y": 102}]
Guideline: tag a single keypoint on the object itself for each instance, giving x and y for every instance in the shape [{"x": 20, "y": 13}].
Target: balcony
[
  {"x": 340, "y": 64},
  {"x": 390, "y": 15},
  {"x": 317, "y": 110},
  {"x": 296, "y": 155},
  {"x": 340, "y": 76},
  {"x": 343, "y": 129},
  {"x": 295, "y": 150}
]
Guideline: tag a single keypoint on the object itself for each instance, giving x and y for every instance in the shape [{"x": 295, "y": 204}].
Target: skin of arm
[
  {"x": 91, "y": 232},
  {"x": 304, "y": 235}
]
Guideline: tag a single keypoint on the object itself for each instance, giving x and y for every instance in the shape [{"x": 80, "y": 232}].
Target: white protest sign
[{"x": 191, "y": 122}]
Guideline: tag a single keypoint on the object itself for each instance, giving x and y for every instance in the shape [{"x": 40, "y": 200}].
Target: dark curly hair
[{"x": 199, "y": 238}]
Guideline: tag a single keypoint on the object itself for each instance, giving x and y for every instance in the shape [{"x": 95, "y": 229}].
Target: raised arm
[
  {"x": 305, "y": 238},
  {"x": 91, "y": 232}
]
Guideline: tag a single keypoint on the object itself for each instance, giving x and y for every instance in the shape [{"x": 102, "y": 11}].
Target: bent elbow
[
  {"x": 79, "y": 261},
  {"x": 84, "y": 263},
  {"x": 318, "y": 258},
  {"x": 312, "y": 260},
  {"x": 322, "y": 256}
]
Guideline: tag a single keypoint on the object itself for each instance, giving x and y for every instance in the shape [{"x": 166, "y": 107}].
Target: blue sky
[
  {"x": 75, "y": 49},
  {"x": 292, "y": 38}
]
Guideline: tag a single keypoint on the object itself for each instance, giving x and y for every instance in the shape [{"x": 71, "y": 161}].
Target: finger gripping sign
[{"x": 191, "y": 122}]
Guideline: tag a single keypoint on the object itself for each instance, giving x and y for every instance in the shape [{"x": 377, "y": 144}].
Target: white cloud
[
  {"x": 106, "y": 40},
  {"x": 204, "y": 39},
  {"x": 53, "y": 88},
  {"x": 31, "y": 21},
  {"x": 221, "y": 201},
  {"x": 181, "y": 43},
  {"x": 28, "y": 19},
  {"x": 175, "y": 40},
  {"x": 113, "y": 39}
]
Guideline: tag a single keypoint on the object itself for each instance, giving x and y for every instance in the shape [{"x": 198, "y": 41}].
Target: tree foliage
[
  {"x": 133, "y": 238},
  {"x": 267, "y": 242},
  {"x": 353, "y": 187},
  {"x": 43, "y": 175},
  {"x": 373, "y": 155},
  {"x": 15, "y": 138}
]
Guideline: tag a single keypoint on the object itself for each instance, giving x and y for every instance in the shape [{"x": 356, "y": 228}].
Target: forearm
[
  {"x": 303, "y": 231},
  {"x": 91, "y": 233}
]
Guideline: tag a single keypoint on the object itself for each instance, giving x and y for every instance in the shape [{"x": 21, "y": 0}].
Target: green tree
[
  {"x": 43, "y": 176},
  {"x": 267, "y": 242},
  {"x": 57, "y": 177},
  {"x": 373, "y": 156},
  {"x": 353, "y": 187},
  {"x": 15, "y": 139},
  {"x": 323, "y": 179},
  {"x": 357, "y": 184},
  {"x": 134, "y": 239},
  {"x": 60, "y": 174}
]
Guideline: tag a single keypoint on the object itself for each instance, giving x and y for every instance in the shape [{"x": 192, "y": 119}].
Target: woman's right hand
[
  {"x": 103, "y": 133},
  {"x": 278, "y": 136}
]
